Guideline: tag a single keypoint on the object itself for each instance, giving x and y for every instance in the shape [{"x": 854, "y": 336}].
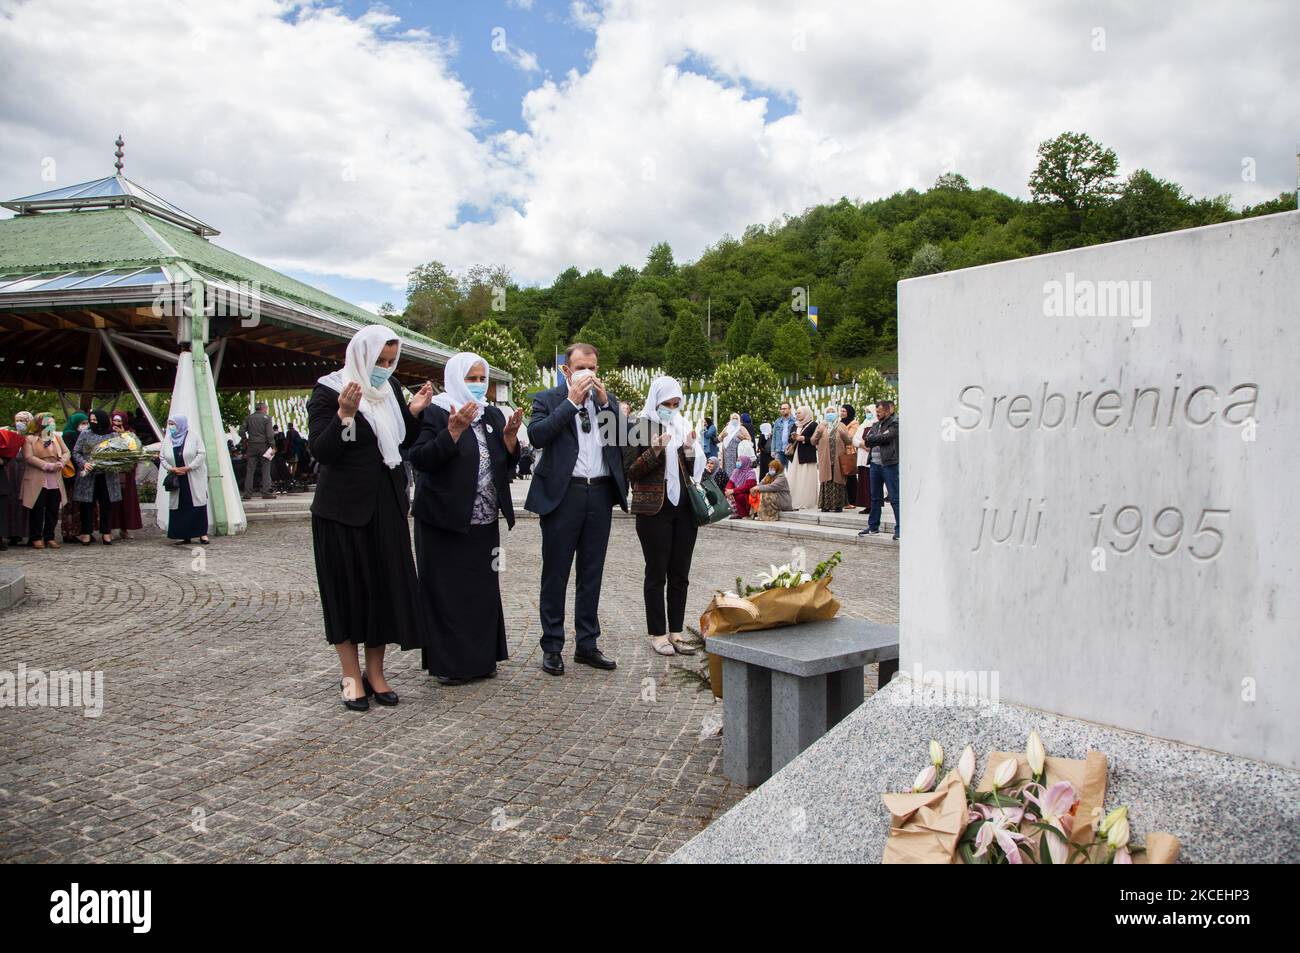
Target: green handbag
[{"x": 708, "y": 502}]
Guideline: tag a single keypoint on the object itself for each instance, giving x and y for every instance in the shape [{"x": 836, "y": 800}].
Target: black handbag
[{"x": 170, "y": 483}]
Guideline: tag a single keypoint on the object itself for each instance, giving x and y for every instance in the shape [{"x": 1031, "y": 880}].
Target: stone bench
[
  {"x": 12, "y": 586},
  {"x": 785, "y": 688}
]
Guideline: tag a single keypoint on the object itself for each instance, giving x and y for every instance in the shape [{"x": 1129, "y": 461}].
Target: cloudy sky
[{"x": 347, "y": 142}]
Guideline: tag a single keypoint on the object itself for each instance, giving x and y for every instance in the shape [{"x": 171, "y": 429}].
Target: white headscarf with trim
[
  {"x": 378, "y": 404},
  {"x": 455, "y": 391},
  {"x": 662, "y": 389}
]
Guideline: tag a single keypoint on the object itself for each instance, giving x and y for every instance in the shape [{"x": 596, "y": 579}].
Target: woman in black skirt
[
  {"x": 368, "y": 589},
  {"x": 464, "y": 459},
  {"x": 182, "y": 462}
]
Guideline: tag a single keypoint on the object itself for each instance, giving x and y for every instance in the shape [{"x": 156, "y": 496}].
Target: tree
[
  {"x": 1148, "y": 206},
  {"x": 928, "y": 260},
  {"x": 687, "y": 354},
  {"x": 642, "y": 320},
  {"x": 764, "y": 336},
  {"x": 1076, "y": 172},
  {"x": 596, "y": 333},
  {"x": 741, "y": 329},
  {"x": 874, "y": 387},
  {"x": 504, "y": 351},
  {"x": 791, "y": 350},
  {"x": 660, "y": 262},
  {"x": 551, "y": 339},
  {"x": 849, "y": 338},
  {"x": 747, "y": 384},
  {"x": 432, "y": 297},
  {"x": 953, "y": 182}
]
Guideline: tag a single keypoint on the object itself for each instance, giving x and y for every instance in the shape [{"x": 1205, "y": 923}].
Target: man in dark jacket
[
  {"x": 576, "y": 485},
  {"x": 882, "y": 445},
  {"x": 258, "y": 434}
]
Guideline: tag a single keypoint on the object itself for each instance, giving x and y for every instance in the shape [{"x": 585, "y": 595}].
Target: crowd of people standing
[
  {"x": 50, "y": 493},
  {"x": 464, "y": 453},
  {"x": 448, "y": 461}
]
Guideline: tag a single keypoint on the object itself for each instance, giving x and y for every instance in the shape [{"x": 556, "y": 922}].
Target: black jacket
[
  {"x": 446, "y": 471},
  {"x": 806, "y": 452},
  {"x": 352, "y": 472},
  {"x": 884, "y": 434},
  {"x": 552, "y": 430}
]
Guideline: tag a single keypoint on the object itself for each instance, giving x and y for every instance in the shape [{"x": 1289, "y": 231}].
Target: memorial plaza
[{"x": 221, "y": 736}]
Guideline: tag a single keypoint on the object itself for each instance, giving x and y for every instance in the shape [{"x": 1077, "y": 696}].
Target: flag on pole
[{"x": 812, "y": 315}]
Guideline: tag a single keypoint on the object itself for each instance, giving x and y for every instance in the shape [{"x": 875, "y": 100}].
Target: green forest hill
[{"x": 845, "y": 259}]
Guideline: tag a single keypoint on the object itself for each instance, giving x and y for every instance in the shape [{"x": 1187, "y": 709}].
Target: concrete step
[
  {"x": 847, "y": 536},
  {"x": 850, "y": 519}
]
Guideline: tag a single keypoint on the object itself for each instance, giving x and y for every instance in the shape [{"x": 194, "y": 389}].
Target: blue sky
[
  {"x": 497, "y": 86},
  {"x": 324, "y": 142}
]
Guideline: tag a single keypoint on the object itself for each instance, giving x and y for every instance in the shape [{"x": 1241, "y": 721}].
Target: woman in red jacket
[{"x": 743, "y": 479}]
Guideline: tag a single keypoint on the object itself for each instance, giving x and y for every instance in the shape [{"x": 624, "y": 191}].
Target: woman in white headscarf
[
  {"x": 803, "y": 474},
  {"x": 730, "y": 442},
  {"x": 370, "y": 596},
  {"x": 662, "y": 453},
  {"x": 464, "y": 458},
  {"x": 183, "y": 476}
]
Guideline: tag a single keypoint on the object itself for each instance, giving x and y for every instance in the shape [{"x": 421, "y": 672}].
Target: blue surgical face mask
[
  {"x": 379, "y": 374},
  {"x": 666, "y": 414},
  {"x": 477, "y": 390},
  {"x": 831, "y": 415},
  {"x": 171, "y": 430}
]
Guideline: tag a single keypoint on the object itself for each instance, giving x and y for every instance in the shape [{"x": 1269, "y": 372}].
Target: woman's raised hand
[
  {"x": 461, "y": 419},
  {"x": 421, "y": 399},
  {"x": 349, "y": 399}
]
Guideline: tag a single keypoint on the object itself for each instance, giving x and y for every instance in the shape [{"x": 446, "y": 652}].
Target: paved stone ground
[{"x": 222, "y": 737}]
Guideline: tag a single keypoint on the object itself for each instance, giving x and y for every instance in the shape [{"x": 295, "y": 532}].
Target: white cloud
[{"x": 350, "y": 146}]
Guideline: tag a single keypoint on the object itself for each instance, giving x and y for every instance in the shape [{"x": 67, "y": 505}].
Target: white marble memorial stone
[{"x": 1100, "y": 483}]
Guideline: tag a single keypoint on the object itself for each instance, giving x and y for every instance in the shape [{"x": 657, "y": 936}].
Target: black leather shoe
[
  {"x": 354, "y": 704},
  {"x": 382, "y": 698},
  {"x": 596, "y": 659},
  {"x": 446, "y": 680},
  {"x": 552, "y": 664}
]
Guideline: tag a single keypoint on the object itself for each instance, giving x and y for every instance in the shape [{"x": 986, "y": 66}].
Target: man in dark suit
[{"x": 573, "y": 490}]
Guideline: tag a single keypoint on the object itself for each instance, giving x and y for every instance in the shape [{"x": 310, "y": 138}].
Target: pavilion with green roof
[{"x": 106, "y": 288}]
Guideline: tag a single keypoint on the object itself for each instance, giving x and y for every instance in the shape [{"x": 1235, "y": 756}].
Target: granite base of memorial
[{"x": 825, "y": 806}]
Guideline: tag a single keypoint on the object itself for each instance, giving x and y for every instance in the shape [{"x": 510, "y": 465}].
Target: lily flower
[
  {"x": 1112, "y": 818},
  {"x": 966, "y": 765},
  {"x": 925, "y": 780},
  {"x": 1035, "y": 753},
  {"x": 1056, "y": 804},
  {"x": 1118, "y": 835},
  {"x": 1004, "y": 773},
  {"x": 1002, "y": 827},
  {"x": 936, "y": 753}
]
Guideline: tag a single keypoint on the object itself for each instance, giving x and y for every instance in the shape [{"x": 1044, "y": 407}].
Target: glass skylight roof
[
  {"x": 82, "y": 280},
  {"x": 113, "y": 190}
]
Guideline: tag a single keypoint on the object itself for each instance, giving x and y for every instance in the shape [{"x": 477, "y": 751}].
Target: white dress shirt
[{"x": 591, "y": 458}]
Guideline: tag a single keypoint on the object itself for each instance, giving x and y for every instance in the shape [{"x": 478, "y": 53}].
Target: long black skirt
[
  {"x": 462, "y": 590},
  {"x": 187, "y": 521},
  {"x": 369, "y": 593}
]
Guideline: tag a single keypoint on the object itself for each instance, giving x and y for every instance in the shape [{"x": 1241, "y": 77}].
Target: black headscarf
[
  {"x": 100, "y": 422},
  {"x": 849, "y": 408}
]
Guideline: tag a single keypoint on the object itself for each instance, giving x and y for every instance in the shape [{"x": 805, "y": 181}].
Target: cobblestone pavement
[{"x": 222, "y": 737}]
